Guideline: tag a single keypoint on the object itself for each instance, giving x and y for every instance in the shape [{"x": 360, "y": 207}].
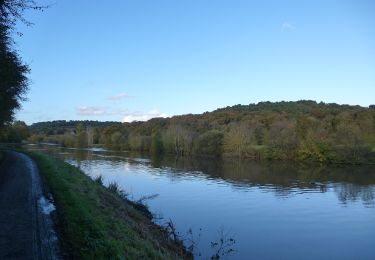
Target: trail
[{"x": 26, "y": 226}]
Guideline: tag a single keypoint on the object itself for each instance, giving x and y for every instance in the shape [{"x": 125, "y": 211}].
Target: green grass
[{"x": 97, "y": 223}]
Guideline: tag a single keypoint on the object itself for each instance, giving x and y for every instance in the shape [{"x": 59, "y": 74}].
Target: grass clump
[
  {"x": 114, "y": 187},
  {"x": 99, "y": 179},
  {"x": 97, "y": 222}
]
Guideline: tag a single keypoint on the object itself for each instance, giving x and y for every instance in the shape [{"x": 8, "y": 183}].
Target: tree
[
  {"x": 178, "y": 140},
  {"x": 13, "y": 79},
  {"x": 210, "y": 143},
  {"x": 13, "y": 72},
  {"x": 282, "y": 140},
  {"x": 14, "y": 133},
  {"x": 237, "y": 138},
  {"x": 12, "y": 10},
  {"x": 81, "y": 136},
  {"x": 157, "y": 147}
]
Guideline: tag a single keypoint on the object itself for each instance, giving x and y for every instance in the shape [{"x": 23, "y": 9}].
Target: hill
[
  {"x": 62, "y": 126},
  {"x": 301, "y": 130}
]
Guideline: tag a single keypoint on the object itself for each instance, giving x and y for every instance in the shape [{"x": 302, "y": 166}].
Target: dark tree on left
[{"x": 13, "y": 71}]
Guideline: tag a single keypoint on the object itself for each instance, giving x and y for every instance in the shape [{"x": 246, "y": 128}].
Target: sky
[{"x": 125, "y": 60}]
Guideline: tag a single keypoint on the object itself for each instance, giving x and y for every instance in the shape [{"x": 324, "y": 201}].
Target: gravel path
[{"x": 26, "y": 226}]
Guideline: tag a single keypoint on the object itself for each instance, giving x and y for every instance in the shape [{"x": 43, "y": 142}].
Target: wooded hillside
[{"x": 302, "y": 130}]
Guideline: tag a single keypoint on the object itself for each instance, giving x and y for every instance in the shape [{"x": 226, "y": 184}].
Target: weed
[
  {"x": 223, "y": 246},
  {"x": 99, "y": 179},
  {"x": 115, "y": 188},
  {"x": 143, "y": 199},
  {"x": 192, "y": 242},
  {"x": 170, "y": 228}
]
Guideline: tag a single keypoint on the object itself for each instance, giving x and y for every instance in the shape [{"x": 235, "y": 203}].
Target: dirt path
[{"x": 26, "y": 227}]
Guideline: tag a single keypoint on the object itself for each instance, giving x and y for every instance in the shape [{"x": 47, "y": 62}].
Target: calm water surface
[{"x": 274, "y": 210}]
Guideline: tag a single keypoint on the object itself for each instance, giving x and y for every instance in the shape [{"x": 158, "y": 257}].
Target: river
[{"x": 272, "y": 210}]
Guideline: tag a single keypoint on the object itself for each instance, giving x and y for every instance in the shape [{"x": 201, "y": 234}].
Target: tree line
[{"x": 302, "y": 130}]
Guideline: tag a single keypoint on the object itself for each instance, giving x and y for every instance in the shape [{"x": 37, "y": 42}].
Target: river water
[{"x": 272, "y": 210}]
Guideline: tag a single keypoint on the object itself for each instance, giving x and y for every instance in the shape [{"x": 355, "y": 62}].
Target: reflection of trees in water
[
  {"x": 283, "y": 178},
  {"x": 283, "y": 192},
  {"x": 348, "y": 192}
]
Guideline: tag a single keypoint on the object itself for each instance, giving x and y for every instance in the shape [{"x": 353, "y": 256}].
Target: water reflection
[
  {"x": 284, "y": 179},
  {"x": 348, "y": 192},
  {"x": 350, "y": 183},
  {"x": 270, "y": 207}
]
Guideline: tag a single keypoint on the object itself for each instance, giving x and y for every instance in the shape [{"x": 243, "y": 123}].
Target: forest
[{"x": 301, "y": 130}]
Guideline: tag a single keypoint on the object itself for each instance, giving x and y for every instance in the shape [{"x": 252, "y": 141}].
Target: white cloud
[
  {"x": 141, "y": 116},
  {"x": 92, "y": 111},
  {"x": 127, "y": 116},
  {"x": 287, "y": 26},
  {"x": 119, "y": 96}
]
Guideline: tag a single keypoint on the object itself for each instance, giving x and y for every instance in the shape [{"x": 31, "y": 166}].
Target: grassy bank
[{"x": 97, "y": 223}]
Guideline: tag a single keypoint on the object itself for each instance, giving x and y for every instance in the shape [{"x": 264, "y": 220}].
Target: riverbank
[
  {"x": 268, "y": 203},
  {"x": 342, "y": 155},
  {"x": 97, "y": 223}
]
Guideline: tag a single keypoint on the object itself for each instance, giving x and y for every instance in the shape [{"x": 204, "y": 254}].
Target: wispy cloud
[
  {"x": 91, "y": 111},
  {"x": 119, "y": 96},
  {"x": 287, "y": 26},
  {"x": 143, "y": 116},
  {"x": 126, "y": 115}
]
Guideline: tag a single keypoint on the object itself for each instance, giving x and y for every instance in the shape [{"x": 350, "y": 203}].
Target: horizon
[
  {"x": 135, "y": 61},
  {"x": 168, "y": 117}
]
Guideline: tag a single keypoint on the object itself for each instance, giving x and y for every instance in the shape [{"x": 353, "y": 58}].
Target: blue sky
[{"x": 132, "y": 60}]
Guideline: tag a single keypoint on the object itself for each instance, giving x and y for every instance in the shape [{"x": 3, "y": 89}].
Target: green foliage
[
  {"x": 210, "y": 143},
  {"x": 67, "y": 140},
  {"x": 13, "y": 72},
  {"x": 302, "y": 130},
  {"x": 80, "y": 128},
  {"x": 14, "y": 133},
  {"x": 282, "y": 140},
  {"x": 62, "y": 126},
  {"x": 157, "y": 146},
  {"x": 13, "y": 77},
  {"x": 238, "y": 139},
  {"x": 37, "y": 139},
  {"x": 179, "y": 139}
]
